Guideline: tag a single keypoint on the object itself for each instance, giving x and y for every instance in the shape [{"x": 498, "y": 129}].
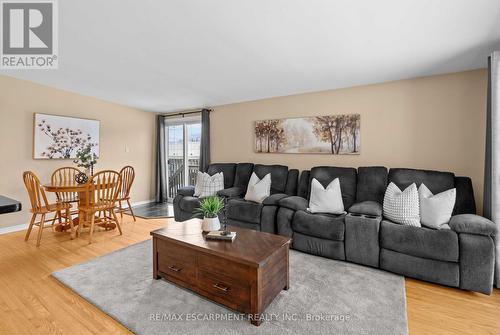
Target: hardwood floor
[{"x": 32, "y": 302}]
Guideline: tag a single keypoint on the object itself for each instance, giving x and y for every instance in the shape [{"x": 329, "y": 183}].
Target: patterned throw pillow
[
  {"x": 208, "y": 186},
  {"x": 258, "y": 189},
  {"x": 402, "y": 206}
]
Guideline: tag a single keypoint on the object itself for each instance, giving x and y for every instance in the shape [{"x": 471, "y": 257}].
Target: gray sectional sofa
[{"x": 461, "y": 256}]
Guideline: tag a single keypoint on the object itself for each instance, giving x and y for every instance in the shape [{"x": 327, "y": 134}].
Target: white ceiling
[{"x": 180, "y": 54}]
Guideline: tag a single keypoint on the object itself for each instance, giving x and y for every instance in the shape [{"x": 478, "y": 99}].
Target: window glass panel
[
  {"x": 175, "y": 151},
  {"x": 193, "y": 150}
]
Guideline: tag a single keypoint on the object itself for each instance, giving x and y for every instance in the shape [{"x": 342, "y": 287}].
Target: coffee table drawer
[
  {"x": 226, "y": 288},
  {"x": 176, "y": 251},
  {"x": 177, "y": 268},
  {"x": 219, "y": 265}
]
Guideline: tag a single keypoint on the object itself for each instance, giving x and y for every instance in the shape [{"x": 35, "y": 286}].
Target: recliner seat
[
  {"x": 262, "y": 216},
  {"x": 236, "y": 178},
  {"x": 316, "y": 233}
]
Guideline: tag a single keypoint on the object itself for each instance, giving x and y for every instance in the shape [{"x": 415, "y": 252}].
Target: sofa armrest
[
  {"x": 366, "y": 208},
  {"x": 187, "y": 191},
  {"x": 232, "y": 192},
  {"x": 296, "y": 203},
  {"x": 472, "y": 224},
  {"x": 274, "y": 199}
]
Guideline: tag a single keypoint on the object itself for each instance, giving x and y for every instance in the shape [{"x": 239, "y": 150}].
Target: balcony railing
[{"x": 176, "y": 173}]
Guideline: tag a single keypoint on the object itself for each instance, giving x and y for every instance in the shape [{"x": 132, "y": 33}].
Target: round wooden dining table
[{"x": 82, "y": 190}]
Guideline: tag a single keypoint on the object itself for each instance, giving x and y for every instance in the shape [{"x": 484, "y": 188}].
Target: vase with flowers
[{"x": 85, "y": 159}]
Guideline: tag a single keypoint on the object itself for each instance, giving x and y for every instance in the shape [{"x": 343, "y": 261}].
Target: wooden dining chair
[
  {"x": 101, "y": 195},
  {"x": 40, "y": 206},
  {"x": 63, "y": 176},
  {"x": 128, "y": 176}
]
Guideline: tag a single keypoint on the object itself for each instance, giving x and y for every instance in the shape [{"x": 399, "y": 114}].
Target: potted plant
[
  {"x": 86, "y": 159},
  {"x": 209, "y": 209}
]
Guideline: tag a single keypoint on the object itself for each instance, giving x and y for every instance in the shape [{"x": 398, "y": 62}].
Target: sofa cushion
[
  {"x": 372, "y": 182},
  {"x": 242, "y": 210},
  {"x": 303, "y": 184},
  {"x": 436, "y": 181},
  {"x": 242, "y": 175},
  {"x": 318, "y": 246},
  {"x": 327, "y": 226},
  {"x": 227, "y": 169},
  {"x": 189, "y": 204},
  {"x": 295, "y": 203},
  {"x": 465, "y": 204},
  {"x": 422, "y": 242},
  {"x": 366, "y": 208},
  {"x": 347, "y": 177},
  {"x": 274, "y": 199},
  {"x": 232, "y": 192},
  {"x": 292, "y": 182},
  {"x": 279, "y": 176}
]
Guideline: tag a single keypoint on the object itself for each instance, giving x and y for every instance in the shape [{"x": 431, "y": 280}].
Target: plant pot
[{"x": 210, "y": 224}]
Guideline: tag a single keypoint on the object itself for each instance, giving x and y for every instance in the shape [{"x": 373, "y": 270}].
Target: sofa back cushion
[
  {"x": 347, "y": 176},
  {"x": 372, "y": 182},
  {"x": 279, "y": 176},
  {"x": 292, "y": 182},
  {"x": 227, "y": 169},
  {"x": 243, "y": 174},
  {"x": 303, "y": 184},
  {"x": 465, "y": 203},
  {"x": 436, "y": 181}
]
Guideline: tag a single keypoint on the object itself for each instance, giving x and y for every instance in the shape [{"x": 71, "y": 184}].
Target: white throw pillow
[
  {"x": 326, "y": 200},
  {"x": 208, "y": 186},
  {"x": 436, "y": 210},
  {"x": 402, "y": 206},
  {"x": 258, "y": 189}
]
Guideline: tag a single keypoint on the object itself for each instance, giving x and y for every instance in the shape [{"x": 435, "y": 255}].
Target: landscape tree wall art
[
  {"x": 60, "y": 137},
  {"x": 329, "y": 134}
]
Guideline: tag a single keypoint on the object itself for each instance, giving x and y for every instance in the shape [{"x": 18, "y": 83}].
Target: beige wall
[
  {"x": 433, "y": 122},
  {"x": 120, "y": 127}
]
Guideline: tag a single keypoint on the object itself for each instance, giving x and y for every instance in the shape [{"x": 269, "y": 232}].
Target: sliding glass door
[{"x": 183, "y": 152}]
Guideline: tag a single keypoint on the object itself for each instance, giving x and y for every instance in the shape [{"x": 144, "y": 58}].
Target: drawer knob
[
  {"x": 173, "y": 268},
  {"x": 221, "y": 287}
]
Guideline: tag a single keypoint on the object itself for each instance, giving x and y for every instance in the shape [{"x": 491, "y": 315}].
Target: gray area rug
[{"x": 325, "y": 297}]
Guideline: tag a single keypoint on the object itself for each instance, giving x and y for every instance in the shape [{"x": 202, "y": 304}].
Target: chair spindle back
[
  {"x": 65, "y": 176},
  {"x": 128, "y": 176},
  {"x": 104, "y": 188},
  {"x": 36, "y": 193}
]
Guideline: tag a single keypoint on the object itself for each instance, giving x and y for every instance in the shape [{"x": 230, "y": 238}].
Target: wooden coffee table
[{"x": 244, "y": 275}]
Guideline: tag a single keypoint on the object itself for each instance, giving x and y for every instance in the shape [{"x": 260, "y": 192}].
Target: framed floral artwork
[{"x": 60, "y": 137}]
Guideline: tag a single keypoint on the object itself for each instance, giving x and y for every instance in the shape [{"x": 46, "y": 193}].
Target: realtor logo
[{"x": 29, "y": 34}]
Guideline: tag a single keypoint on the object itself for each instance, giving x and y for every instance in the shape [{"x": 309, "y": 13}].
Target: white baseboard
[
  {"x": 12, "y": 229},
  {"x": 24, "y": 226},
  {"x": 138, "y": 203}
]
